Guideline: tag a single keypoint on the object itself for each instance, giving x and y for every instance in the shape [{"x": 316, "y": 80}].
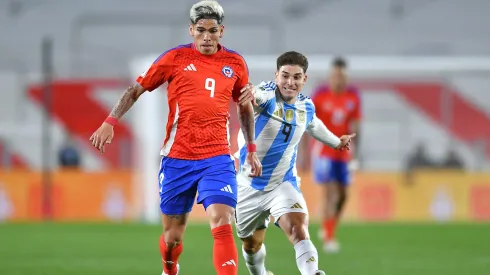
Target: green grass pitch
[{"x": 132, "y": 249}]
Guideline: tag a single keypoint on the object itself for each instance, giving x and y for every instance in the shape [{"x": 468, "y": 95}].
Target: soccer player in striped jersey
[
  {"x": 282, "y": 116},
  {"x": 202, "y": 77}
]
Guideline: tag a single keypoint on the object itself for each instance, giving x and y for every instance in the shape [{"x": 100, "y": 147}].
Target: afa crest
[
  {"x": 289, "y": 115},
  {"x": 227, "y": 71},
  {"x": 301, "y": 116},
  {"x": 278, "y": 112}
]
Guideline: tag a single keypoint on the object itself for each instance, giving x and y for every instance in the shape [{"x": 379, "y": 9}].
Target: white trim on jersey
[
  {"x": 166, "y": 148},
  {"x": 228, "y": 131}
]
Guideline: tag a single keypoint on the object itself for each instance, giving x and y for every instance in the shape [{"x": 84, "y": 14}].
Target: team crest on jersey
[
  {"x": 278, "y": 112},
  {"x": 301, "y": 116},
  {"x": 227, "y": 71},
  {"x": 289, "y": 115}
]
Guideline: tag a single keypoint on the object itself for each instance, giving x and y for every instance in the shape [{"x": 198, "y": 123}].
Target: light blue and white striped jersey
[{"x": 279, "y": 127}]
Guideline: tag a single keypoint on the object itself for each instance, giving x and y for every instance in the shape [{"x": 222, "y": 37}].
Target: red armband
[
  {"x": 251, "y": 148},
  {"x": 111, "y": 120}
]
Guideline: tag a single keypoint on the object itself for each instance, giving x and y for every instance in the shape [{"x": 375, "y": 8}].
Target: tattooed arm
[
  {"x": 127, "y": 100},
  {"x": 105, "y": 133},
  {"x": 158, "y": 73},
  {"x": 247, "y": 124}
]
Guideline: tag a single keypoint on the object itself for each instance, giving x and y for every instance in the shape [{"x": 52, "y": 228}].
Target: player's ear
[
  {"x": 276, "y": 77},
  {"x": 191, "y": 30},
  {"x": 221, "y": 31},
  {"x": 305, "y": 77}
]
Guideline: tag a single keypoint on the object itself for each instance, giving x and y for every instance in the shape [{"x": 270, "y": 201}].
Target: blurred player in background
[
  {"x": 338, "y": 106},
  {"x": 282, "y": 116},
  {"x": 202, "y": 77}
]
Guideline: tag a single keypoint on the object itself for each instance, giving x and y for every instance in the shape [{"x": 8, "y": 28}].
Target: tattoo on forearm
[
  {"x": 125, "y": 102},
  {"x": 246, "y": 119}
]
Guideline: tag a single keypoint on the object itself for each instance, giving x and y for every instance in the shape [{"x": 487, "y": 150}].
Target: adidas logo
[
  {"x": 230, "y": 262},
  {"x": 227, "y": 189},
  {"x": 312, "y": 259},
  {"x": 296, "y": 206},
  {"x": 191, "y": 68}
]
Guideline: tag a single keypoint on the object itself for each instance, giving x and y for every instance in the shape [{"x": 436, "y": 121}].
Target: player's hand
[
  {"x": 102, "y": 136},
  {"x": 345, "y": 141},
  {"x": 247, "y": 94},
  {"x": 255, "y": 164}
]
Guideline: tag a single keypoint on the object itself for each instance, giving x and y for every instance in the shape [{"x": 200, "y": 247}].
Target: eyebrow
[{"x": 203, "y": 28}]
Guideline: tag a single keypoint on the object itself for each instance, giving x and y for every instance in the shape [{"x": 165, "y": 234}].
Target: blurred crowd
[{"x": 420, "y": 159}]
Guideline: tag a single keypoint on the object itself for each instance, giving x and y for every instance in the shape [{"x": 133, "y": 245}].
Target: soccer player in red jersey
[
  {"x": 339, "y": 107},
  {"x": 202, "y": 77}
]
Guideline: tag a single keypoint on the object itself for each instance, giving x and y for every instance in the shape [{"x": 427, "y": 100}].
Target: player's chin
[
  {"x": 288, "y": 96},
  {"x": 207, "y": 49}
]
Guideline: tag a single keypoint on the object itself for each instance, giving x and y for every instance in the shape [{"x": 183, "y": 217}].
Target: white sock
[
  {"x": 255, "y": 262},
  {"x": 306, "y": 257}
]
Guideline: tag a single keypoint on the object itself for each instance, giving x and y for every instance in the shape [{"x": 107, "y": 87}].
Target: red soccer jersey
[
  {"x": 199, "y": 91},
  {"x": 337, "y": 112}
]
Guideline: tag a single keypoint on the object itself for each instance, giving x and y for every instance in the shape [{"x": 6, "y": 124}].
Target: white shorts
[{"x": 254, "y": 207}]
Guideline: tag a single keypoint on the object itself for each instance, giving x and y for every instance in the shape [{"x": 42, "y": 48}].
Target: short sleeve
[
  {"x": 265, "y": 93},
  {"x": 159, "y": 72},
  {"x": 242, "y": 80},
  {"x": 310, "y": 111}
]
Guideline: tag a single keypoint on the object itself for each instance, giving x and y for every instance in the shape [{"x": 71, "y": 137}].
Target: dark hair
[
  {"x": 339, "y": 62},
  {"x": 292, "y": 58}
]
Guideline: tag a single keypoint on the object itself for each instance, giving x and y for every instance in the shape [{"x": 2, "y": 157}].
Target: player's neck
[{"x": 292, "y": 101}]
